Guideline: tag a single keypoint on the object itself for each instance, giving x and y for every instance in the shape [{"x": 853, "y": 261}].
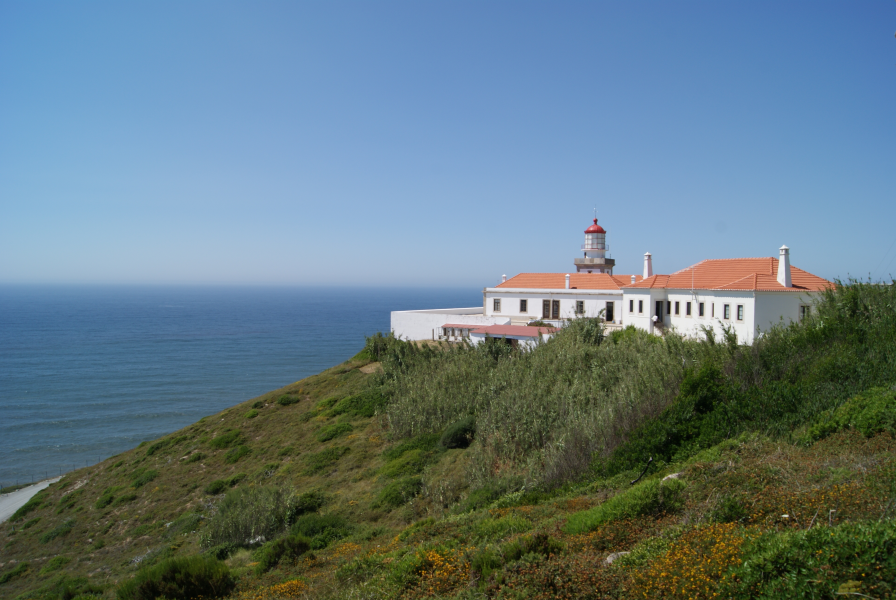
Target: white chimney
[
  {"x": 567, "y": 281},
  {"x": 634, "y": 279},
  {"x": 503, "y": 278},
  {"x": 784, "y": 267},
  {"x": 648, "y": 265}
]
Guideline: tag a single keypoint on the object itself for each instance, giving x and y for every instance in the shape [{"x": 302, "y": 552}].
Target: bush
[
  {"x": 399, "y": 492},
  {"x": 54, "y": 564},
  {"x": 142, "y": 477},
  {"x": 195, "y": 457},
  {"x": 258, "y": 404},
  {"x": 107, "y": 497},
  {"x": 179, "y": 579},
  {"x": 221, "y": 551},
  {"x": 31, "y": 523},
  {"x": 234, "y": 454},
  {"x": 459, "y": 434},
  {"x": 290, "y": 548},
  {"x": 870, "y": 412},
  {"x": 320, "y": 461},
  {"x": 230, "y": 437},
  {"x": 61, "y": 530},
  {"x": 321, "y": 530},
  {"x": 653, "y": 497},
  {"x": 124, "y": 499},
  {"x": 854, "y": 559},
  {"x": 333, "y": 431},
  {"x": 426, "y": 442},
  {"x": 220, "y": 486},
  {"x": 69, "y": 500},
  {"x": 33, "y": 504},
  {"x": 251, "y": 414},
  {"x": 13, "y": 573},
  {"x": 308, "y": 502},
  {"x": 364, "y": 404},
  {"x": 247, "y": 516},
  {"x": 287, "y": 400},
  {"x": 540, "y": 543}
]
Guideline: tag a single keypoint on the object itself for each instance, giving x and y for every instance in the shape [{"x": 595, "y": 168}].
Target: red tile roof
[
  {"x": 753, "y": 274},
  {"x": 557, "y": 281},
  {"x": 515, "y": 330}
]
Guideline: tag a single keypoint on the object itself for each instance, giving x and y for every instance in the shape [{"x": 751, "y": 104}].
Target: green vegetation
[
  {"x": 33, "y": 504},
  {"x": 179, "y": 579},
  {"x": 490, "y": 472}
]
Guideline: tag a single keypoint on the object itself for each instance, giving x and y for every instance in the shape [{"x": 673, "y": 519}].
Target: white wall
[
  {"x": 777, "y": 307},
  {"x": 424, "y": 324},
  {"x": 595, "y": 301}
]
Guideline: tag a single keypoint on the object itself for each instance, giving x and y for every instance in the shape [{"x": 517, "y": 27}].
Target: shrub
[
  {"x": 54, "y": 564},
  {"x": 195, "y": 457},
  {"x": 540, "y": 543},
  {"x": 230, "y": 437},
  {"x": 320, "y": 461},
  {"x": 61, "y": 530},
  {"x": 160, "y": 445},
  {"x": 13, "y": 573},
  {"x": 426, "y": 442},
  {"x": 222, "y": 485},
  {"x": 144, "y": 529},
  {"x": 491, "y": 529},
  {"x": 222, "y": 551},
  {"x": 179, "y": 579},
  {"x": 291, "y": 548},
  {"x": 142, "y": 477},
  {"x": 305, "y": 503},
  {"x": 459, "y": 434},
  {"x": 33, "y": 504},
  {"x": 107, "y": 497},
  {"x": 234, "y": 454},
  {"x": 185, "y": 523},
  {"x": 69, "y": 500},
  {"x": 399, "y": 492},
  {"x": 653, "y": 497},
  {"x": 248, "y": 515},
  {"x": 333, "y": 431},
  {"x": 124, "y": 499},
  {"x": 251, "y": 414},
  {"x": 258, "y": 404},
  {"x": 364, "y": 404},
  {"x": 287, "y": 400},
  {"x": 854, "y": 559},
  {"x": 31, "y": 523},
  {"x": 321, "y": 530},
  {"x": 870, "y": 412}
]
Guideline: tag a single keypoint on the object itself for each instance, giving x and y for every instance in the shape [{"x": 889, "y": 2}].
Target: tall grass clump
[
  {"x": 540, "y": 413},
  {"x": 183, "y": 578},
  {"x": 248, "y": 516}
]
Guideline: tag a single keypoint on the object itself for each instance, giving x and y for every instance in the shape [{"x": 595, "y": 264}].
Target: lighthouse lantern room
[{"x": 596, "y": 256}]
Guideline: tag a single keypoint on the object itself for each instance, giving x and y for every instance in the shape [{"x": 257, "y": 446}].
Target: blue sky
[{"x": 440, "y": 143}]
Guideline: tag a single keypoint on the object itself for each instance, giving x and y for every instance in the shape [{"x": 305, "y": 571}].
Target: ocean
[{"x": 87, "y": 372}]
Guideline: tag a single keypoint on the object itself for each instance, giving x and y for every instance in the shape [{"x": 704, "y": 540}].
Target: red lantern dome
[{"x": 595, "y": 228}]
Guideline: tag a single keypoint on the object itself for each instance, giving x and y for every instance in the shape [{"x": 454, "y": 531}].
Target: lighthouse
[{"x": 596, "y": 257}]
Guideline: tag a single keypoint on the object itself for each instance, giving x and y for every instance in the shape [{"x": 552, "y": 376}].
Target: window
[
  {"x": 640, "y": 306},
  {"x": 805, "y": 310},
  {"x": 687, "y": 308},
  {"x": 631, "y": 306},
  {"x": 669, "y": 308},
  {"x": 524, "y": 306},
  {"x": 713, "y": 307},
  {"x": 546, "y": 309},
  {"x": 700, "y": 311},
  {"x": 677, "y": 308},
  {"x": 740, "y": 312},
  {"x": 555, "y": 309},
  {"x": 580, "y": 307},
  {"x": 726, "y": 311},
  {"x": 608, "y": 314},
  {"x": 496, "y": 305}
]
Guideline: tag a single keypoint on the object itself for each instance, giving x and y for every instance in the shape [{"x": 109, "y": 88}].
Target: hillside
[{"x": 591, "y": 467}]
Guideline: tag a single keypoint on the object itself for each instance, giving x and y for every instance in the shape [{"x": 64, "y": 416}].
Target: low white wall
[{"x": 424, "y": 324}]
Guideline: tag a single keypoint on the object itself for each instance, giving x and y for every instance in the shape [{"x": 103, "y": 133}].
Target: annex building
[{"x": 746, "y": 295}]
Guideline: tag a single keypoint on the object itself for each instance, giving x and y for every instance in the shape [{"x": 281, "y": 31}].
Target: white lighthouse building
[
  {"x": 743, "y": 295},
  {"x": 596, "y": 252}
]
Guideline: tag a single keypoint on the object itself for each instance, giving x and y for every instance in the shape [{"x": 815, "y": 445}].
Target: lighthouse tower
[{"x": 596, "y": 252}]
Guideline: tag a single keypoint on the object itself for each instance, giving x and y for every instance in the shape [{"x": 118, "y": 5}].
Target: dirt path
[{"x": 10, "y": 503}]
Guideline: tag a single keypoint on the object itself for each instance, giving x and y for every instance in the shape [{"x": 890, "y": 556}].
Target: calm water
[{"x": 87, "y": 372}]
